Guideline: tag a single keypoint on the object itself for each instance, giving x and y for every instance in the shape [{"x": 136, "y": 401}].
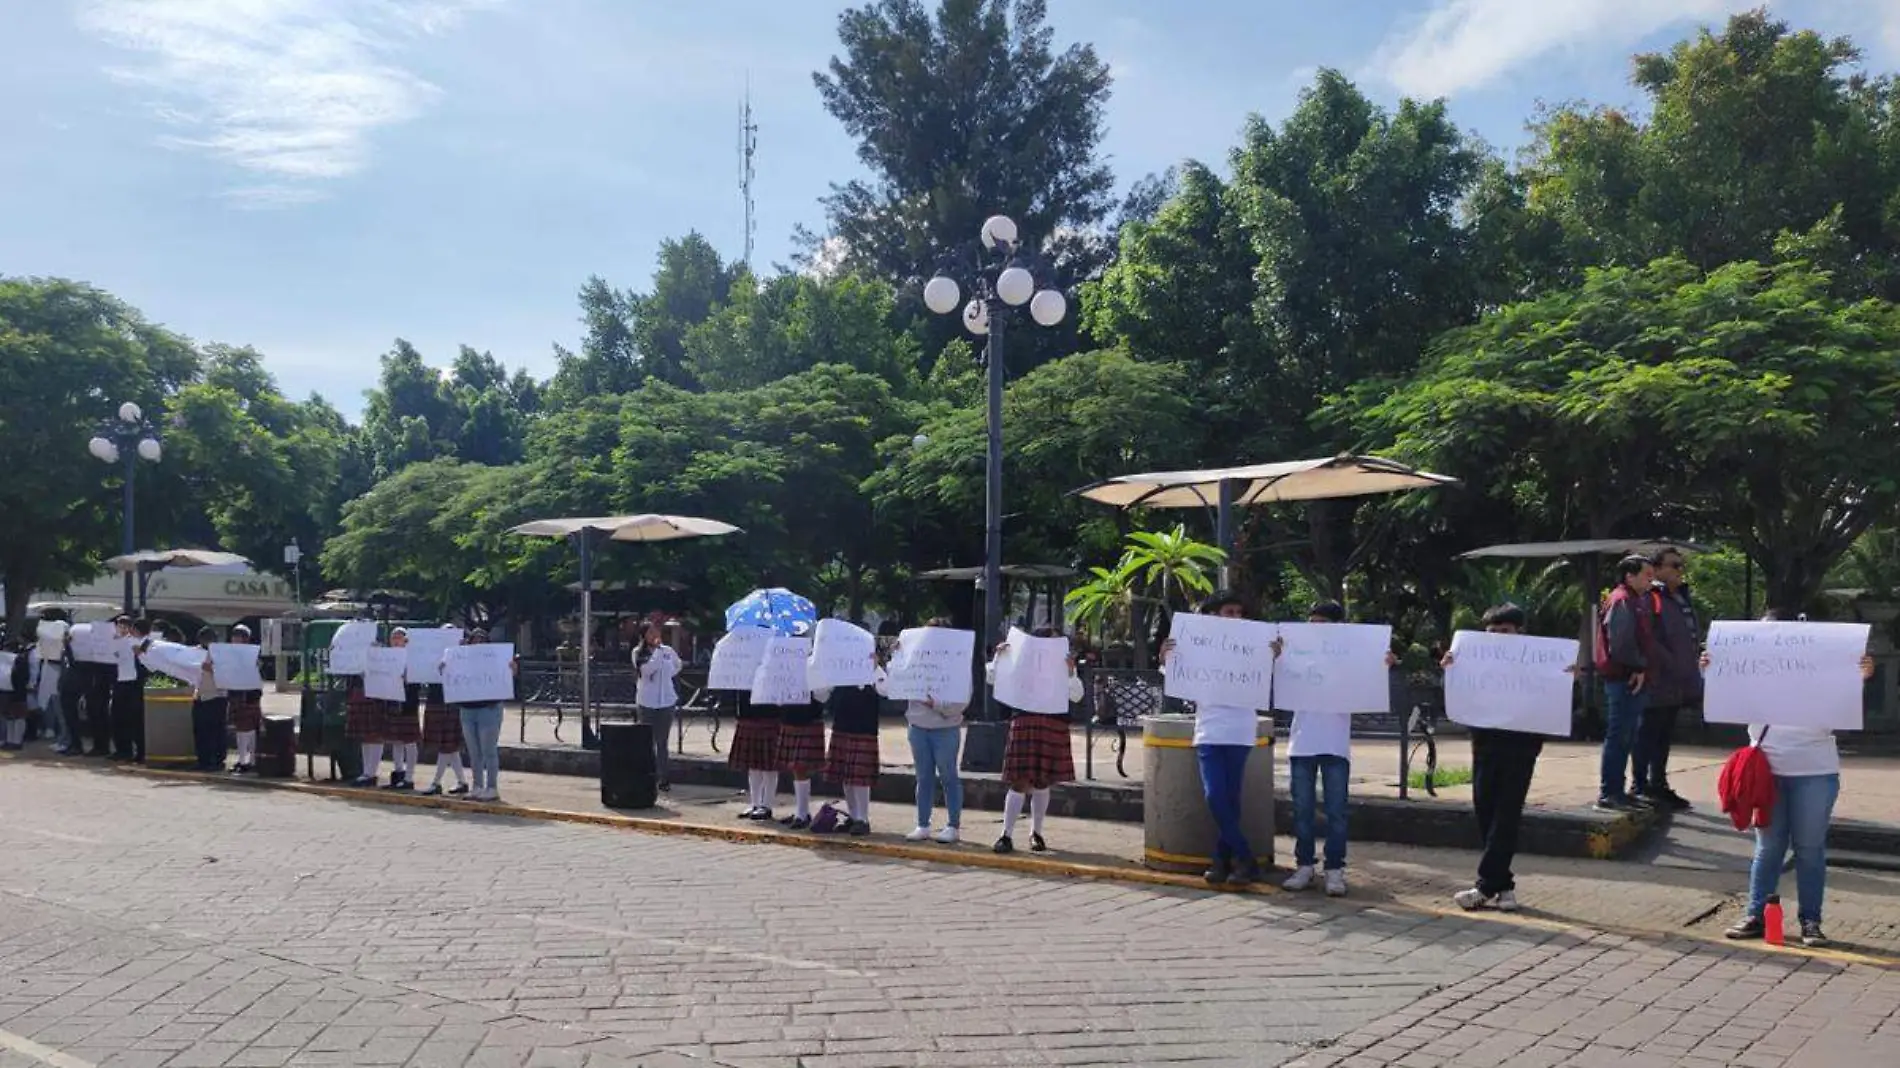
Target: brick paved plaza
[{"x": 148, "y": 921}]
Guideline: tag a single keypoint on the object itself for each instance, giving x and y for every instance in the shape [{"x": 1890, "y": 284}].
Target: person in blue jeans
[
  {"x": 1806, "y": 764},
  {"x": 1224, "y": 738},
  {"x": 936, "y": 738},
  {"x": 481, "y": 735},
  {"x": 1626, "y": 650}
]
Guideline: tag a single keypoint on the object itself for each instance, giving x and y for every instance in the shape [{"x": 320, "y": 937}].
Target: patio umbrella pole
[
  {"x": 1224, "y": 531},
  {"x": 585, "y": 538}
]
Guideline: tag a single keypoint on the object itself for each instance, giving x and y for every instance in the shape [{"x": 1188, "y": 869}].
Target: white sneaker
[
  {"x": 918, "y": 835},
  {"x": 947, "y": 836},
  {"x": 1301, "y": 878},
  {"x": 1336, "y": 883},
  {"x": 1470, "y": 900},
  {"x": 1507, "y": 901}
]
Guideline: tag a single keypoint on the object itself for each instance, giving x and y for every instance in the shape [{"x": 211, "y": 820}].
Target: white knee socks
[
  {"x": 372, "y": 759},
  {"x": 406, "y": 758},
  {"x": 16, "y": 732},
  {"x": 1012, "y": 811},
  {"x": 1038, "y": 808},
  {"x": 801, "y": 795},
  {"x": 857, "y": 800},
  {"x": 247, "y": 747},
  {"x": 444, "y": 761},
  {"x": 764, "y": 786}
]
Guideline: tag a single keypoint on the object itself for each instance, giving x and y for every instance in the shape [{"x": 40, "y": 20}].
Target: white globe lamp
[
  {"x": 129, "y": 412},
  {"x": 149, "y": 450},
  {"x": 920, "y": 441},
  {"x": 103, "y": 450},
  {"x": 1048, "y": 308},
  {"x": 999, "y": 231},
  {"x": 941, "y": 295},
  {"x": 976, "y": 317},
  {"x": 1015, "y": 286}
]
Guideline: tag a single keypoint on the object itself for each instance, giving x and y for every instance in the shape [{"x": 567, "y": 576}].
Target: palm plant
[{"x": 1158, "y": 569}]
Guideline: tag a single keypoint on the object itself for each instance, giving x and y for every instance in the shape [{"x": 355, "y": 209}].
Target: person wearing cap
[{"x": 1224, "y": 738}]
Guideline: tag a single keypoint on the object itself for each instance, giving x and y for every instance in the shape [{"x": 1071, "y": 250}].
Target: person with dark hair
[
  {"x": 1675, "y": 681},
  {"x": 936, "y": 736},
  {"x": 481, "y": 732},
  {"x": 209, "y": 707},
  {"x": 656, "y": 664},
  {"x": 128, "y": 689},
  {"x": 1224, "y": 739},
  {"x": 402, "y": 725},
  {"x": 1625, "y": 654},
  {"x": 1503, "y": 763}
]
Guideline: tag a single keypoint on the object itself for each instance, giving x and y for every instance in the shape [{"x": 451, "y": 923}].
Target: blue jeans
[
  {"x": 1804, "y": 805},
  {"x": 481, "y": 736},
  {"x": 1223, "y": 771},
  {"x": 1310, "y": 775},
  {"x": 1623, "y": 711},
  {"x": 933, "y": 752}
]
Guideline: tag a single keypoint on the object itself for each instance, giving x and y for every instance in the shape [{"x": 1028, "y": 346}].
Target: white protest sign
[
  {"x": 425, "y": 651},
  {"x": 1221, "y": 662},
  {"x": 1512, "y": 682},
  {"x": 842, "y": 655},
  {"x": 783, "y": 676},
  {"x": 51, "y": 637},
  {"x": 1785, "y": 674},
  {"x": 478, "y": 674},
  {"x": 1333, "y": 667},
  {"x": 93, "y": 643},
  {"x": 1033, "y": 673},
  {"x": 383, "y": 673},
  {"x": 6, "y": 672},
  {"x": 235, "y": 666},
  {"x": 348, "y": 645},
  {"x": 736, "y": 658},
  {"x": 932, "y": 662},
  {"x": 182, "y": 662}
]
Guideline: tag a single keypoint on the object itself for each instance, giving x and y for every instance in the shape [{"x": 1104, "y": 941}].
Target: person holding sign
[
  {"x": 1224, "y": 737},
  {"x": 442, "y": 731},
  {"x": 801, "y": 753},
  {"x": 1036, "y": 756},
  {"x": 16, "y": 670},
  {"x": 1806, "y": 764},
  {"x": 656, "y": 665},
  {"x": 936, "y": 736},
  {"x": 1503, "y": 762},
  {"x": 402, "y": 726},
  {"x": 481, "y": 721},
  {"x": 1319, "y": 758},
  {"x": 852, "y": 759},
  {"x": 209, "y": 707},
  {"x": 247, "y": 713},
  {"x": 128, "y": 689},
  {"x": 779, "y": 683}
]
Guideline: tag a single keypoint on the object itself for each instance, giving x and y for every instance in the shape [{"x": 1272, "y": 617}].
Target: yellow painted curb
[
  {"x": 973, "y": 858},
  {"x": 1188, "y": 743}
]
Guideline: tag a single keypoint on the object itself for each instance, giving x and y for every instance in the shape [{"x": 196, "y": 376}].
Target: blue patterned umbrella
[{"x": 775, "y": 609}]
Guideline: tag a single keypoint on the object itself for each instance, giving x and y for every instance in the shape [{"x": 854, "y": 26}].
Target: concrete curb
[
  {"x": 1421, "y": 822},
  {"x": 969, "y": 858}
]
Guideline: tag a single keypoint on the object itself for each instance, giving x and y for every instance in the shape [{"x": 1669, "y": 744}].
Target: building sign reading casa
[{"x": 259, "y": 587}]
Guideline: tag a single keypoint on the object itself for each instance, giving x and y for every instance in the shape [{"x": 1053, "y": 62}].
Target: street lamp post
[
  {"x": 129, "y": 438},
  {"x": 1001, "y": 281}
]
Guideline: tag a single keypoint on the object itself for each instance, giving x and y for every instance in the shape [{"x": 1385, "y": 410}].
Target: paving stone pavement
[{"x": 166, "y": 922}]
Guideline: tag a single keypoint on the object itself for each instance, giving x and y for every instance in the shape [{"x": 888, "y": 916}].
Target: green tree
[
  {"x": 960, "y": 115},
  {"x": 794, "y": 323}
]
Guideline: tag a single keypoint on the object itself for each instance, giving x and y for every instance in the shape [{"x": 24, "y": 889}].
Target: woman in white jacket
[{"x": 657, "y": 665}]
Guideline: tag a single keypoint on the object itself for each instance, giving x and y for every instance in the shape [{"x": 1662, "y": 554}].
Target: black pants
[
  {"x": 1655, "y": 731},
  {"x": 128, "y": 720},
  {"x": 99, "y": 709},
  {"x": 207, "y": 732},
  {"x": 72, "y": 707},
  {"x": 1503, "y": 764}
]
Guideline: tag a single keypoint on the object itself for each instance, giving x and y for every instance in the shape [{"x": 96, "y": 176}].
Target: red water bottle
[{"x": 1771, "y": 921}]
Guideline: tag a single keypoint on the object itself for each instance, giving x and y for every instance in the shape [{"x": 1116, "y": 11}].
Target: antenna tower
[{"x": 748, "y": 145}]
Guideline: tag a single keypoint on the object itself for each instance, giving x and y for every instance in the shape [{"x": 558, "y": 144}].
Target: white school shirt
[
  {"x": 1320, "y": 734},
  {"x": 654, "y": 688},
  {"x": 1795, "y": 752},
  {"x": 1076, "y": 692},
  {"x": 125, "y": 653},
  {"x": 1225, "y": 725}
]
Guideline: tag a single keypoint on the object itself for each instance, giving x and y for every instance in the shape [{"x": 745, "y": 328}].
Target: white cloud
[
  {"x": 288, "y": 89},
  {"x": 1464, "y": 44}
]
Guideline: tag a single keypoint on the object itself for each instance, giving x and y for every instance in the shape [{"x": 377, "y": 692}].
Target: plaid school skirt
[
  {"x": 801, "y": 748},
  {"x": 1038, "y": 753},
  {"x": 853, "y": 759},
  {"x": 442, "y": 727},
  {"x": 247, "y": 711},
  {"x": 400, "y": 724},
  {"x": 363, "y": 722},
  {"x": 755, "y": 745}
]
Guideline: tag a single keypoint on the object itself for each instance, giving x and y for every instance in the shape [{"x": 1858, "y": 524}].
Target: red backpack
[{"x": 1746, "y": 786}]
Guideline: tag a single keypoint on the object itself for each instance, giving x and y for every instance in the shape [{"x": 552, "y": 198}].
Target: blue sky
[{"x": 319, "y": 177}]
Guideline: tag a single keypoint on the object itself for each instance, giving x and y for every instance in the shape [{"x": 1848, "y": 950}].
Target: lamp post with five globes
[
  {"x": 131, "y": 439},
  {"x": 1002, "y": 282}
]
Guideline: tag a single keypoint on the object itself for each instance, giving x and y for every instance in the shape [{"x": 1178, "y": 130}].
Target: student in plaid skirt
[
  {"x": 755, "y": 751},
  {"x": 247, "y": 714},
  {"x": 442, "y": 731},
  {"x": 1035, "y": 758},
  {"x": 801, "y": 754},
  {"x": 401, "y": 728},
  {"x": 363, "y": 724},
  {"x": 854, "y": 758}
]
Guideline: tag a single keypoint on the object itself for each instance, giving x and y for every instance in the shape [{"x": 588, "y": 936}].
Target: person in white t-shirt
[
  {"x": 1806, "y": 763},
  {"x": 1319, "y": 761},
  {"x": 1224, "y": 737}
]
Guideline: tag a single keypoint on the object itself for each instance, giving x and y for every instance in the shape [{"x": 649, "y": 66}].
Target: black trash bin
[
  {"x": 628, "y": 778},
  {"x": 277, "y": 748}
]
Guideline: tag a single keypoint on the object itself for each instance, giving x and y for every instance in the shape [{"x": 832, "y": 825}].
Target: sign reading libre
[
  {"x": 782, "y": 678},
  {"x": 932, "y": 663},
  {"x": 478, "y": 674},
  {"x": 1221, "y": 662},
  {"x": 736, "y": 658},
  {"x": 1785, "y": 674},
  {"x": 1513, "y": 682}
]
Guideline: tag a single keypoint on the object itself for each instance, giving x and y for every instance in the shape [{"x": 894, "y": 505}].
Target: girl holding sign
[
  {"x": 363, "y": 724},
  {"x": 209, "y": 708},
  {"x": 1036, "y": 757},
  {"x": 401, "y": 727},
  {"x": 247, "y": 713},
  {"x": 853, "y": 759},
  {"x": 936, "y": 735},
  {"x": 801, "y": 752},
  {"x": 442, "y": 729}
]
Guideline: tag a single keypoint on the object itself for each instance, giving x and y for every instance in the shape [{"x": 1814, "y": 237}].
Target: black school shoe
[{"x": 1219, "y": 872}]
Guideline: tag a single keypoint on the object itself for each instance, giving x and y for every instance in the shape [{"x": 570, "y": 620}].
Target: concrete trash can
[
  {"x": 1180, "y": 834},
  {"x": 168, "y": 741}
]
